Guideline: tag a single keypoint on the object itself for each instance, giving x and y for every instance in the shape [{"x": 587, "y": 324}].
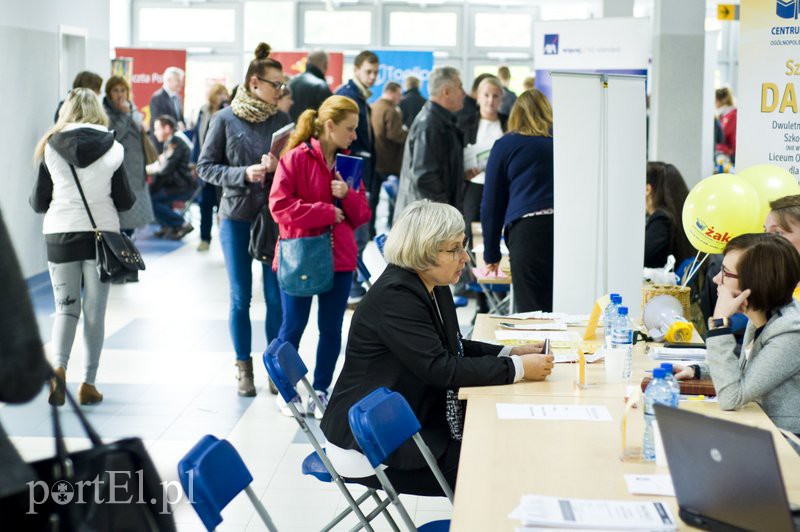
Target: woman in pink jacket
[{"x": 308, "y": 197}]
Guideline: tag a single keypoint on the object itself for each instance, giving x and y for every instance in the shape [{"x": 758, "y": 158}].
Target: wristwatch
[{"x": 718, "y": 323}]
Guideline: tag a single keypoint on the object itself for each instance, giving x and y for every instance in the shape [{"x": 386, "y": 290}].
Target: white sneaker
[
  {"x": 311, "y": 406},
  {"x": 284, "y": 408}
]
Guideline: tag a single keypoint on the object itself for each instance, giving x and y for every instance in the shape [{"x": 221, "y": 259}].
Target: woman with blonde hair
[
  {"x": 79, "y": 147},
  {"x": 518, "y": 201},
  {"x": 236, "y": 156},
  {"x": 218, "y": 97},
  {"x": 308, "y": 198},
  {"x": 126, "y": 122}
]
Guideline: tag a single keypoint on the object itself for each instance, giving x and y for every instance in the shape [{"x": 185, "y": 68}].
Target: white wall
[{"x": 29, "y": 63}]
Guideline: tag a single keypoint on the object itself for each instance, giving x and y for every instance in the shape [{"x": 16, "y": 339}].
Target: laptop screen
[{"x": 724, "y": 473}]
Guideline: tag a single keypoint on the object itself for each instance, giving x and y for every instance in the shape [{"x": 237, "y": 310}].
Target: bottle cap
[
  {"x": 616, "y": 299},
  {"x": 622, "y": 311},
  {"x": 667, "y": 367},
  {"x": 658, "y": 373}
]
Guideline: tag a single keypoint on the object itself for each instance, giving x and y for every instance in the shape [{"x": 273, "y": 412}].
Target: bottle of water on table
[
  {"x": 622, "y": 338},
  {"x": 674, "y": 385},
  {"x": 609, "y": 316},
  {"x": 657, "y": 392}
]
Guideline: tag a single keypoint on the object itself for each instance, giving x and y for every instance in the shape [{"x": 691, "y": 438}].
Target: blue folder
[{"x": 351, "y": 169}]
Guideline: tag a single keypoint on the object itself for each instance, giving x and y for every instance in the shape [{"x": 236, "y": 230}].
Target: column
[{"x": 681, "y": 96}]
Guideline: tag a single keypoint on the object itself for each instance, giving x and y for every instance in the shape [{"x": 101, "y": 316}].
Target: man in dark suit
[
  {"x": 412, "y": 101},
  {"x": 310, "y": 89},
  {"x": 509, "y": 96},
  {"x": 167, "y": 101},
  {"x": 404, "y": 336}
]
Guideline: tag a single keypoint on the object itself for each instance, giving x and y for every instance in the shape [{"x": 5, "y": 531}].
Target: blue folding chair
[
  {"x": 381, "y": 422},
  {"x": 286, "y": 369},
  {"x": 212, "y": 473}
]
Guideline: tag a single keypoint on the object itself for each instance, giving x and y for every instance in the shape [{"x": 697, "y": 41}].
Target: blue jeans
[
  {"x": 234, "y": 237},
  {"x": 208, "y": 200},
  {"x": 162, "y": 208},
  {"x": 332, "y": 305}
]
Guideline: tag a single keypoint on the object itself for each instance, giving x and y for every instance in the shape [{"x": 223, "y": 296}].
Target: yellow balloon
[
  {"x": 719, "y": 208},
  {"x": 771, "y": 182}
]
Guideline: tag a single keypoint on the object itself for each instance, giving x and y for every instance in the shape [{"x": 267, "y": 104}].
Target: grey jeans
[{"x": 66, "y": 278}]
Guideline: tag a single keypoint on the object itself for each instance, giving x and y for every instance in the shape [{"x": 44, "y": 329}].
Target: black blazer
[{"x": 397, "y": 341}]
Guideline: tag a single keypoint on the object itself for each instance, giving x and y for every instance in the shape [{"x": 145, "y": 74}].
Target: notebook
[{"x": 726, "y": 475}]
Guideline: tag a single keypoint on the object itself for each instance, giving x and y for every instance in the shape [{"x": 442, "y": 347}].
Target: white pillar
[
  {"x": 617, "y": 8},
  {"x": 680, "y": 98}
]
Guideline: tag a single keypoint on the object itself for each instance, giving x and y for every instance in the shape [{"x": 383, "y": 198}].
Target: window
[
  {"x": 337, "y": 27},
  {"x": 418, "y": 28},
  {"x": 280, "y": 36},
  {"x": 579, "y": 11},
  {"x": 503, "y": 30},
  {"x": 193, "y": 25}
]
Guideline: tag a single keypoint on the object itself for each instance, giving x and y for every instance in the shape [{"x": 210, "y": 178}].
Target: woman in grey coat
[
  {"x": 759, "y": 273},
  {"x": 126, "y": 122}
]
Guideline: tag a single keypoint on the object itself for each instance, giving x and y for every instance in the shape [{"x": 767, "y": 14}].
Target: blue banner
[{"x": 397, "y": 65}]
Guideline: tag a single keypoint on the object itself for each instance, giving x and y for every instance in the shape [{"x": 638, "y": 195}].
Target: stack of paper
[
  {"x": 553, "y": 512},
  {"x": 553, "y": 412},
  {"x": 537, "y": 336},
  {"x": 551, "y": 326},
  {"x": 680, "y": 353}
]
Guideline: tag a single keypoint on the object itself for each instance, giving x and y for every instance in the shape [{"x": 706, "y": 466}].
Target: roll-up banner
[
  {"x": 397, "y": 65},
  {"x": 607, "y": 45},
  {"x": 147, "y": 70},
  {"x": 768, "y": 124}
]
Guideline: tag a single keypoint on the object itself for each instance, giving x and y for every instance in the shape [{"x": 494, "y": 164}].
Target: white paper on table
[
  {"x": 650, "y": 485},
  {"x": 479, "y": 179},
  {"x": 536, "y": 510},
  {"x": 551, "y": 326},
  {"x": 539, "y": 336},
  {"x": 553, "y": 412},
  {"x": 563, "y": 358}
]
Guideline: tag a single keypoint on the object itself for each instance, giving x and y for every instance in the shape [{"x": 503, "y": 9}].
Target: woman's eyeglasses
[
  {"x": 277, "y": 85},
  {"x": 456, "y": 251},
  {"x": 726, "y": 273}
]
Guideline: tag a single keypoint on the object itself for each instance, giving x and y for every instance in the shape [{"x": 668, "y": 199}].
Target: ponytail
[
  {"x": 309, "y": 124},
  {"x": 307, "y": 127}
]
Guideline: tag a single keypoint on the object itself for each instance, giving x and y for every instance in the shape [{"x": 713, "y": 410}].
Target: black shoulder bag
[
  {"x": 118, "y": 260},
  {"x": 109, "y": 486}
]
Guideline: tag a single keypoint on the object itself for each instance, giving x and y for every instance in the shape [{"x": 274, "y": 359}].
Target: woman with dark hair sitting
[
  {"x": 666, "y": 192},
  {"x": 759, "y": 273}
]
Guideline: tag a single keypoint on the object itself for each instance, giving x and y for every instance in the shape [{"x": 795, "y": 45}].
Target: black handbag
[
  {"x": 263, "y": 236},
  {"x": 118, "y": 260},
  {"x": 111, "y": 486}
]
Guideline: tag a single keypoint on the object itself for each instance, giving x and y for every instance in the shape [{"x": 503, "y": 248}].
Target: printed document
[
  {"x": 554, "y": 512},
  {"x": 553, "y": 412}
]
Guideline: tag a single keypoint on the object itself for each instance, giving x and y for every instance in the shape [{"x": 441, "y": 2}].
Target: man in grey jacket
[{"x": 433, "y": 160}]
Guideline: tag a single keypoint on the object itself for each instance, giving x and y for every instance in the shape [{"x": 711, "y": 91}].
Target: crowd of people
[{"x": 485, "y": 157}]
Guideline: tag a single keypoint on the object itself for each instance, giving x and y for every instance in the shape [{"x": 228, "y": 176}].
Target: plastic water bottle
[
  {"x": 657, "y": 392},
  {"x": 622, "y": 338},
  {"x": 673, "y": 383},
  {"x": 610, "y": 315}
]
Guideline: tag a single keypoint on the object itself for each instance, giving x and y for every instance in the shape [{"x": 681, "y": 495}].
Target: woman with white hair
[{"x": 404, "y": 335}]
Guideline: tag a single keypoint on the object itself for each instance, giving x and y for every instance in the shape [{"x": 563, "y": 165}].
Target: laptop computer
[{"x": 726, "y": 475}]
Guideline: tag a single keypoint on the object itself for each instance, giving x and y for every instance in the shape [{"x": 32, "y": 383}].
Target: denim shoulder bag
[{"x": 305, "y": 264}]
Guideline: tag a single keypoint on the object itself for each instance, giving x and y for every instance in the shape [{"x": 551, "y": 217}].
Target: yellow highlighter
[{"x": 696, "y": 398}]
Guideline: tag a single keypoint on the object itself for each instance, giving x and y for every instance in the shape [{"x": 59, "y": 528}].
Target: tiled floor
[{"x": 167, "y": 373}]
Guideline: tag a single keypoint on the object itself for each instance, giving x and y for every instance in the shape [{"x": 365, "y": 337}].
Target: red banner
[
  {"x": 294, "y": 63},
  {"x": 147, "y": 72}
]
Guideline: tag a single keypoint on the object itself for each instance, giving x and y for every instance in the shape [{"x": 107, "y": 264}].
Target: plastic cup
[{"x": 614, "y": 362}]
